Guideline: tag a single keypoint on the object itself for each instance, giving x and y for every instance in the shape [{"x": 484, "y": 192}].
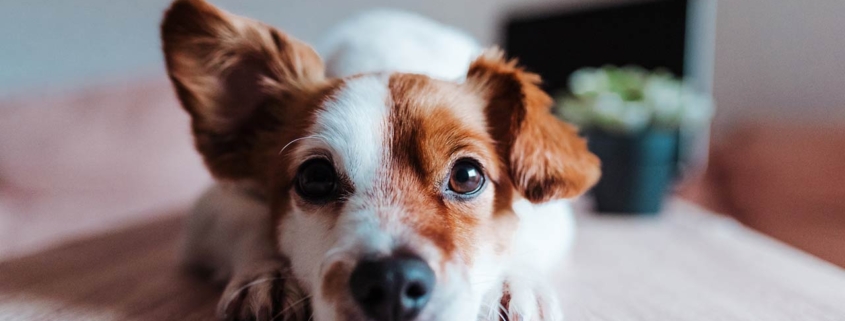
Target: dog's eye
[
  {"x": 316, "y": 180},
  {"x": 465, "y": 178}
]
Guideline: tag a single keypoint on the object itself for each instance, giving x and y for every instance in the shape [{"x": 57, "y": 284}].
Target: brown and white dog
[{"x": 381, "y": 196}]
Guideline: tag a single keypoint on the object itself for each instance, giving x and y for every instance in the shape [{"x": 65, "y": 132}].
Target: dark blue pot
[{"x": 637, "y": 170}]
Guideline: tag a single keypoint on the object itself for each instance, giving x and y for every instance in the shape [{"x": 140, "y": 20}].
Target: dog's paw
[
  {"x": 267, "y": 291},
  {"x": 529, "y": 302}
]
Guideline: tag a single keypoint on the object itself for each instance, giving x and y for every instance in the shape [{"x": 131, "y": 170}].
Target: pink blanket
[{"x": 78, "y": 163}]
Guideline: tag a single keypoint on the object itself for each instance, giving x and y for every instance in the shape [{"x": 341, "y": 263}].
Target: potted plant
[{"x": 638, "y": 123}]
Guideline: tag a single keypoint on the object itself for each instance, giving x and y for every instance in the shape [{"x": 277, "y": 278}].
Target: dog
[{"x": 408, "y": 177}]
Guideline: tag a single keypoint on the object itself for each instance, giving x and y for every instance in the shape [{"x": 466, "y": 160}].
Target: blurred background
[{"x": 91, "y": 136}]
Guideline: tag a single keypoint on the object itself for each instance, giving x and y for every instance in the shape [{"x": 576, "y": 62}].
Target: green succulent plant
[{"x": 632, "y": 99}]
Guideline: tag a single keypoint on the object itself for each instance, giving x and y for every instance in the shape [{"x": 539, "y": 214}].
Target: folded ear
[
  {"x": 226, "y": 70},
  {"x": 545, "y": 157}
]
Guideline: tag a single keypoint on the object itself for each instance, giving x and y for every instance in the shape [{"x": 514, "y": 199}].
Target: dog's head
[{"x": 392, "y": 192}]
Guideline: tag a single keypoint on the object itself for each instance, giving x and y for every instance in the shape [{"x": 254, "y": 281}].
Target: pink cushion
[
  {"x": 76, "y": 163},
  {"x": 785, "y": 180}
]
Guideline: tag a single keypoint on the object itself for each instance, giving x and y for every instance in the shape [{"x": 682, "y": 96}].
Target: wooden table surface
[{"x": 686, "y": 264}]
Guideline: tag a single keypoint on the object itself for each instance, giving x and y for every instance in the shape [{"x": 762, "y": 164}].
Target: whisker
[
  {"x": 502, "y": 309},
  {"x": 489, "y": 315},
  {"x": 298, "y": 139},
  {"x": 498, "y": 310},
  {"x": 292, "y": 305},
  {"x": 241, "y": 289}
]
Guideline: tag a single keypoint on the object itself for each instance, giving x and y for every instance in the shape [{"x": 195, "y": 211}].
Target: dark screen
[{"x": 649, "y": 34}]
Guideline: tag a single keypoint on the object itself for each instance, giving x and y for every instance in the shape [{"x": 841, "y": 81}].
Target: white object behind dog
[{"x": 387, "y": 40}]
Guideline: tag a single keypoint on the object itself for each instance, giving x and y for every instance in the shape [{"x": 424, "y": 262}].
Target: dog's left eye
[
  {"x": 465, "y": 178},
  {"x": 316, "y": 180}
]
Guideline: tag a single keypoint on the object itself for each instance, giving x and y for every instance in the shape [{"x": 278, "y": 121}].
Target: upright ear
[
  {"x": 545, "y": 157},
  {"x": 226, "y": 70}
]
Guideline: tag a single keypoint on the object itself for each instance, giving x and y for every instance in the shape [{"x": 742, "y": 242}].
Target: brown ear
[
  {"x": 225, "y": 70},
  {"x": 545, "y": 157}
]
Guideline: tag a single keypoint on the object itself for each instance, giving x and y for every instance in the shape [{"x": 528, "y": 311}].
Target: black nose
[{"x": 392, "y": 288}]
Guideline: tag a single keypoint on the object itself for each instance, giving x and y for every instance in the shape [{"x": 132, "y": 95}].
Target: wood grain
[
  {"x": 126, "y": 275},
  {"x": 686, "y": 264},
  {"x": 693, "y": 265}
]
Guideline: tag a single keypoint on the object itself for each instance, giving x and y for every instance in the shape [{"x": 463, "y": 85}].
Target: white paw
[
  {"x": 267, "y": 291},
  {"x": 524, "y": 301}
]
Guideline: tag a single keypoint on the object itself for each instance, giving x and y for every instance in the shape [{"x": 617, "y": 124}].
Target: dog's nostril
[
  {"x": 393, "y": 288},
  {"x": 416, "y": 290}
]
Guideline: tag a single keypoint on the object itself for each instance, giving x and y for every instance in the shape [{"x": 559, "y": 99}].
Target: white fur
[
  {"x": 216, "y": 238},
  {"x": 391, "y": 40},
  {"x": 545, "y": 234},
  {"x": 352, "y": 127}
]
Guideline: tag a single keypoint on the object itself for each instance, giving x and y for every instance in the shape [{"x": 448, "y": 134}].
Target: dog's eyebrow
[
  {"x": 460, "y": 147},
  {"x": 301, "y": 138},
  {"x": 319, "y": 153}
]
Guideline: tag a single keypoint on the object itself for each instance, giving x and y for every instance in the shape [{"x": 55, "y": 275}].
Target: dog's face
[
  {"x": 392, "y": 169},
  {"x": 392, "y": 192}
]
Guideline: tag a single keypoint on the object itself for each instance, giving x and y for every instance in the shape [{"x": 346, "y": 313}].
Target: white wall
[
  {"x": 63, "y": 44},
  {"x": 773, "y": 58},
  {"x": 66, "y": 44},
  {"x": 781, "y": 59}
]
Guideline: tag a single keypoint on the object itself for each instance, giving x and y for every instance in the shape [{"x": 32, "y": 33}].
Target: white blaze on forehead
[{"x": 353, "y": 126}]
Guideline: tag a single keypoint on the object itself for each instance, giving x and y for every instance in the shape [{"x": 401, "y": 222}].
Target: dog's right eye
[
  {"x": 316, "y": 180},
  {"x": 466, "y": 178}
]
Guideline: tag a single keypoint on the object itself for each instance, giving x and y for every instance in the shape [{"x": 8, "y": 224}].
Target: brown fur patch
[
  {"x": 336, "y": 282},
  {"x": 505, "y": 303},
  {"x": 237, "y": 78},
  {"x": 432, "y": 125}
]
